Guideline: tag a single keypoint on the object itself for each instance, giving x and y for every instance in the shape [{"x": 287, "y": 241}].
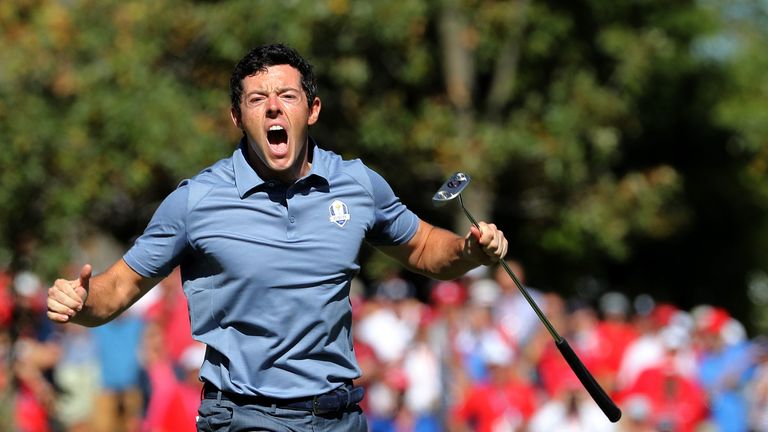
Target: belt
[{"x": 333, "y": 401}]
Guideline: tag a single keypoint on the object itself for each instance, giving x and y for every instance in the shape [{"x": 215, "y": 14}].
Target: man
[{"x": 267, "y": 242}]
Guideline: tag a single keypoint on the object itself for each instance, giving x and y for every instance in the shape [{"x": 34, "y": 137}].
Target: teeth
[{"x": 276, "y": 127}]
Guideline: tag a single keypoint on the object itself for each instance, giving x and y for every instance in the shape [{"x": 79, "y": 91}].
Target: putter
[{"x": 451, "y": 190}]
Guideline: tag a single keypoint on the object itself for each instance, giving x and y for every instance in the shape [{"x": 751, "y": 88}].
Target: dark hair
[{"x": 259, "y": 58}]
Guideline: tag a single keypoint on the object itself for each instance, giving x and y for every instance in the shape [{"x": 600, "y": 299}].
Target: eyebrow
[{"x": 279, "y": 90}]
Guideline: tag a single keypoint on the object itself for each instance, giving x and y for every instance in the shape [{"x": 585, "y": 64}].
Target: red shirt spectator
[
  {"x": 488, "y": 406},
  {"x": 171, "y": 313},
  {"x": 678, "y": 403},
  {"x": 506, "y": 401},
  {"x": 616, "y": 337},
  {"x": 6, "y": 299}
]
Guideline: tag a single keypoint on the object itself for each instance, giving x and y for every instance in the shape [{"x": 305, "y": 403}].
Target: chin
[{"x": 282, "y": 166}]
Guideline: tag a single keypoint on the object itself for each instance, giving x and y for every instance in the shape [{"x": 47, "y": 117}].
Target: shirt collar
[
  {"x": 246, "y": 178},
  {"x": 320, "y": 162}
]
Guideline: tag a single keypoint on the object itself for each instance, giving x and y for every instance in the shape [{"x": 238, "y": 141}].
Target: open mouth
[{"x": 276, "y": 135}]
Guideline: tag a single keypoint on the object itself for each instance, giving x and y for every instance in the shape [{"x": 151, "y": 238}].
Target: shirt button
[
  {"x": 271, "y": 184},
  {"x": 292, "y": 219}
]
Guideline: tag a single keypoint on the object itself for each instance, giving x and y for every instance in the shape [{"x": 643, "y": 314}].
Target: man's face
[{"x": 276, "y": 118}]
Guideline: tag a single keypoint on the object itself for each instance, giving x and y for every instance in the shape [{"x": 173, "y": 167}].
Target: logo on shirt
[{"x": 339, "y": 213}]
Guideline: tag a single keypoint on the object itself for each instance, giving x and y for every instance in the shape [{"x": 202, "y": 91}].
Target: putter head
[{"x": 451, "y": 189}]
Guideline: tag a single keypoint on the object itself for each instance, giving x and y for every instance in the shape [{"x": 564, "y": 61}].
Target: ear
[
  {"x": 235, "y": 118},
  {"x": 314, "y": 111}
]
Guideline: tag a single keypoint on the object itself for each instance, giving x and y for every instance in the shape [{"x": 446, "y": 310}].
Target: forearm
[
  {"x": 436, "y": 253},
  {"x": 110, "y": 293},
  {"x": 443, "y": 255},
  {"x": 101, "y": 305}
]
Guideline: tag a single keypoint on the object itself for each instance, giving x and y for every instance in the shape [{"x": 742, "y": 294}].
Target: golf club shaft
[
  {"x": 577, "y": 366},
  {"x": 556, "y": 336}
]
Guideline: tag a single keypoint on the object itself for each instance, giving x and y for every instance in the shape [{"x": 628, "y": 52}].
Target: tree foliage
[{"x": 603, "y": 137}]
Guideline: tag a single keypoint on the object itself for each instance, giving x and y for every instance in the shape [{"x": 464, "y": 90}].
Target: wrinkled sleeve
[
  {"x": 160, "y": 248},
  {"x": 394, "y": 223}
]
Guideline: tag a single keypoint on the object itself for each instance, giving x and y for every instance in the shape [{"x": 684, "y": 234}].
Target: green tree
[
  {"x": 537, "y": 101},
  {"x": 604, "y": 137},
  {"x": 742, "y": 107},
  {"x": 102, "y": 108}
]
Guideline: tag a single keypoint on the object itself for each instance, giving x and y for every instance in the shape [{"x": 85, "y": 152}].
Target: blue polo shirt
[{"x": 267, "y": 268}]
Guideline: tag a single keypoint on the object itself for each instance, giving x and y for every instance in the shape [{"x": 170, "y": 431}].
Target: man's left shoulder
[
  {"x": 331, "y": 159},
  {"x": 336, "y": 165}
]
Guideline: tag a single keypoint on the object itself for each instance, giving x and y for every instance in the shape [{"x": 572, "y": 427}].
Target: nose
[{"x": 273, "y": 105}]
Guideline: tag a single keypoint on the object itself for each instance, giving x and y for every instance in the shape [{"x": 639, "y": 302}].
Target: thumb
[
  {"x": 475, "y": 232},
  {"x": 472, "y": 239},
  {"x": 85, "y": 277}
]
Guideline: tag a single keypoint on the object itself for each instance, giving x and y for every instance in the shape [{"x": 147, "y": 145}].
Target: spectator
[
  {"x": 77, "y": 376},
  {"x": 589, "y": 342},
  {"x": 551, "y": 368},
  {"x": 174, "y": 386},
  {"x": 571, "y": 410},
  {"x": 725, "y": 370},
  {"x": 393, "y": 286},
  {"x": 6, "y": 377},
  {"x": 169, "y": 311},
  {"x": 616, "y": 332},
  {"x": 421, "y": 366},
  {"x": 120, "y": 402},
  {"x": 34, "y": 354},
  {"x": 387, "y": 327},
  {"x": 479, "y": 331},
  {"x": 758, "y": 392},
  {"x": 512, "y": 311},
  {"x": 6, "y": 298},
  {"x": 648, "y": 349},
  {"x": 505, "y": 401},
  {"x": 448, "y": 299},
  {"x": 637, "y": 415},
  {"x": 678, "y": 403}
]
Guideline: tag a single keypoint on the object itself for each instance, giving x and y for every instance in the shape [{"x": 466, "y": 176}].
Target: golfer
[{"x": 267, "y": 241}]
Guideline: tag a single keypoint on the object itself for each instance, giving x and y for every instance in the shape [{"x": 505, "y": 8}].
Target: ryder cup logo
[{"x": 339, "y": 213}]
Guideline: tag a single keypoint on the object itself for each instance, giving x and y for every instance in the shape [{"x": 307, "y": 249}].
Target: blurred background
[{"x": 622, "y": 147}]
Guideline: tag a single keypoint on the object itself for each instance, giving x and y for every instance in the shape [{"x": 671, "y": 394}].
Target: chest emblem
[{"x": 339, "y": 213}]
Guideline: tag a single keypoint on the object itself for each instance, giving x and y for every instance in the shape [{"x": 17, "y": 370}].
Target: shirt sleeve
[
  {"x": 160, "y": 248},
  {"x": 394, "y": 223}
]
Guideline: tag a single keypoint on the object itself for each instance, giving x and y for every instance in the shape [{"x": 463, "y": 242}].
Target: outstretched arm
[
  {"x": 94, "y": 300},
  {"x": 441, "y": 254}
]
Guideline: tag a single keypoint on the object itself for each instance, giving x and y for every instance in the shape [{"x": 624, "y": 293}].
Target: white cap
[
  {"x": 27, "y": 284},
  {"x": 497, "y": 353},
  {"x": 614, "y": 302},
  {"x": 675, "y": 337},
  {"x": 192, "y": 357},
  {"x": 484, "y": 292}
]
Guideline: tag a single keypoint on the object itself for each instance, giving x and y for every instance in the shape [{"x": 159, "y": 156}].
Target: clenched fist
[
  {"x": 67, "y": 297},
  {"x": 485, "y": 244}
]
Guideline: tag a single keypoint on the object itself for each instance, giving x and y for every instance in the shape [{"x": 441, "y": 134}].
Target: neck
[{"x": 299, "y": 169}]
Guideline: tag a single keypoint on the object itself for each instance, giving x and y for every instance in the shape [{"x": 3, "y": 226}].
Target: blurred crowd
[{"x": 473, "y": 356}]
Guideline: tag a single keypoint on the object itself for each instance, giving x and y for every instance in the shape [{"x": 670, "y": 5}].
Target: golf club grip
[{"x": 588, "y": 381}]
